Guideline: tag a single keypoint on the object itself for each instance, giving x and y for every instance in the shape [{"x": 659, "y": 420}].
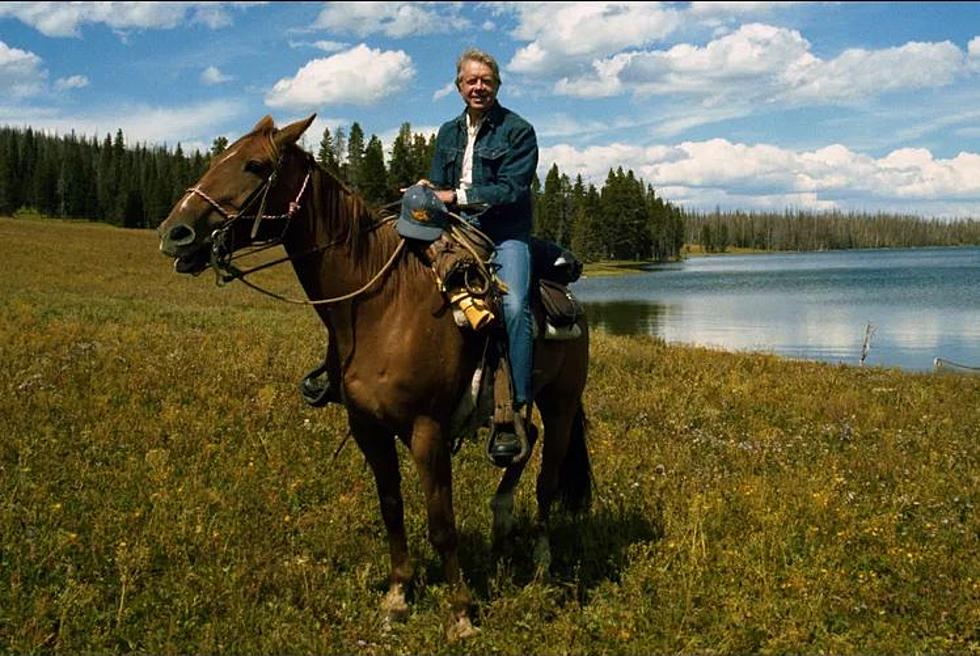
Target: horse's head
[{"x": 253, "y": 179}]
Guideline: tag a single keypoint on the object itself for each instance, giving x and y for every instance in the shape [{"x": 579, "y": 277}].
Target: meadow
[{"x": 164, "y": 489}]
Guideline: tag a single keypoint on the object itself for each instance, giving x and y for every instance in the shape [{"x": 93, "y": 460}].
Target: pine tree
[
  {"x": 549, "y": 214},
  {"x": 340, "y": 153},
  {"x": 326, "y": 156},
  {"x": 7, "y": 164},
  {"x": 178, "y": 174},
  {"x": 583, "y": 237},
  {"x": 355, "y": 156},
  {"x": 374, "y": 177},
  {"x": 218, "y": 146},
  {"x": 421, "y": 153},
  {"x": 402, "y": 170}
]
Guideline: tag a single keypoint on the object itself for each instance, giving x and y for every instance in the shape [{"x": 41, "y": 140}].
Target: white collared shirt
[{"x": 466, "y": 175}]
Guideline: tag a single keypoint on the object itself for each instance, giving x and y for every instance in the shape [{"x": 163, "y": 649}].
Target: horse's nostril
[{"x": 180, "y": 235}]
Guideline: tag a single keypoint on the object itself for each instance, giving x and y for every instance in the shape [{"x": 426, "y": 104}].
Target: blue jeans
[{"x": 514, "y": 258}]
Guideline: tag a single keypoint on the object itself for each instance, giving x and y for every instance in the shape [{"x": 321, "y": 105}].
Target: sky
[{"x": 738, "y": 105}]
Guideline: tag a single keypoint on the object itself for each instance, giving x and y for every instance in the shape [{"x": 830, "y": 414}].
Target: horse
[{"x": 404, "y": 363}]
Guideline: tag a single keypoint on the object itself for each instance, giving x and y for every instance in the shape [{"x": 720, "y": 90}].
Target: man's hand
[
  {"x": 422, "y": 183},
  {"x": 447, "y": 196}
]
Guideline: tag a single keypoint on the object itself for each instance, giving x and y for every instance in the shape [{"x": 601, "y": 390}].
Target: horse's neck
[{"x": 330, "y": 237}]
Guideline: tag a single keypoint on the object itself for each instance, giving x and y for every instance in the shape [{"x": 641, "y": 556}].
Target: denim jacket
[{"x": 505, "y": 156}]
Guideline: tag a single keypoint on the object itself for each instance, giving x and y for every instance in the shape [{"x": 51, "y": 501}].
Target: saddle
[{"x": 461, "y": 264}]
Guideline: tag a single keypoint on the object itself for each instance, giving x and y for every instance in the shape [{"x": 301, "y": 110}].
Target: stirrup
[
  {"x": 520, "y": 432},
  {"x": 318, "y": 394}
]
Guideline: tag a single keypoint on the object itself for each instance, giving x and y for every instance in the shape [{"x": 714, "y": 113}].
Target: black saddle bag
[{"x": 560, "y": 306}]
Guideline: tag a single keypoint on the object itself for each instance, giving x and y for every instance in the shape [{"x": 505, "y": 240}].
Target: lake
[{"x": 921, "y": 304}]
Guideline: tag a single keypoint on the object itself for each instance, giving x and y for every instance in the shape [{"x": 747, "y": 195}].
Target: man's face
[{"x": 476, "y": 85}]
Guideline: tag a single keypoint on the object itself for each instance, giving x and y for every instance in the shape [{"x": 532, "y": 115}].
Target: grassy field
[{"x": 163, "y": 489}]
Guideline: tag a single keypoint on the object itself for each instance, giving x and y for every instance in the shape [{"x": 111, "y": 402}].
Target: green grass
[
  {"x": 163, "y": 489},
  {"x": 615, "y": 267}
]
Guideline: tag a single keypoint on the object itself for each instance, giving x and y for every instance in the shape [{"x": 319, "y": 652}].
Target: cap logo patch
[{"x": 421, "y": 215}]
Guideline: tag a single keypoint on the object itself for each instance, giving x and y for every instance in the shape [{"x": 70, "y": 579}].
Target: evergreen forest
[{"x": 73, "y": 176}]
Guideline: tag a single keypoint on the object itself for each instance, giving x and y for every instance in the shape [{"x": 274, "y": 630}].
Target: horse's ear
[
  {"x": 292, "y": 132},
  {"x": 266, "y": 124}
]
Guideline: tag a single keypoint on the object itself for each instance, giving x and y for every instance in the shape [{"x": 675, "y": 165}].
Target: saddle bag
[{"x": 560, "y": 306}]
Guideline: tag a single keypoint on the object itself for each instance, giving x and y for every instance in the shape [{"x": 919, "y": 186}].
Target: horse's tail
[{"x": 575, "y": 475}]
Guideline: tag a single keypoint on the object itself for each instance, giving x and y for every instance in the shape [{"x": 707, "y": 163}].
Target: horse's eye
[{"x": 256, "y": 167}]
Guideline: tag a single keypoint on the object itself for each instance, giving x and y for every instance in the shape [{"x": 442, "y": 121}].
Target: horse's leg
[
  {"x": 502, "y": 502},
  {"x": 432, "y": 457},
  {"x": 378, "y": 447},
  {"x": 557, "y": 414}
]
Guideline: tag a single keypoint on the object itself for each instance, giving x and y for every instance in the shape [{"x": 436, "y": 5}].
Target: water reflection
[
  {"x": 627, "y": 317},
  {"x": 924, "y": 303}
]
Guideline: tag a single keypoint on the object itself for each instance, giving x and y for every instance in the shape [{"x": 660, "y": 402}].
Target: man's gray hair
[{"x": 475, "y": 54}]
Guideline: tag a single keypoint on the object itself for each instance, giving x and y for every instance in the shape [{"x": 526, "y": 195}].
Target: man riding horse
[{"x": 484, "y": 162}]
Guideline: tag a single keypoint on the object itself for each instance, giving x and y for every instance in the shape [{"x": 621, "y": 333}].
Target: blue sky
[{"x": 854, "y": 106}]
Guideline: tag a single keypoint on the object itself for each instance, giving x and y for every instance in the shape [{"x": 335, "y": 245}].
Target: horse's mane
[{"x": 369, "y": 236}]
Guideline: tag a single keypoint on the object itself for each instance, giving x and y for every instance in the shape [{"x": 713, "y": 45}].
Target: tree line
[
  {"x": 624, "y": 220},
  {"x": 81, "y": 177},
  {"x": 804, "y": 230}
]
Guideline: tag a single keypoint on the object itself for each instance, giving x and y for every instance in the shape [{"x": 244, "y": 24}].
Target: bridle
[{"x": 223, "y": 253}]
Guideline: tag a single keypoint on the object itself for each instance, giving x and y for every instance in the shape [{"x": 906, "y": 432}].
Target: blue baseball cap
[{"x": 423, "y": 215}]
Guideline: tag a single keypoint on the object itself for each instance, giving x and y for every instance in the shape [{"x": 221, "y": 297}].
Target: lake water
[{"x": 922, "y": 304}]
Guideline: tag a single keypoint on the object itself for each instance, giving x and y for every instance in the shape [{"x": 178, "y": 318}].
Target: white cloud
[
  {"x": 442, "y": 92},
  {"x": 563, "y": 125},
  {"x": 563, "y": 34},
  {"x": 73, "y": 82},
  {"x": 330, "y": 46},
  {"x": 21, "y": 74},
  {"x": 760, "y": 65},
  {"x": 563, "y": 37},
  {"x": 212, "y": 75},
  {"x": 713, "y": 12},
  {"x": 718, "y": 171},
  {"x": 65, "y": 19},
  {"x": 858, "y": 73},
  {"x": 324, "y": 44},
  {"x": 394, "y": 19},
  {"x": 359, "y": 76},
  {"x": 973, "y": 53}
]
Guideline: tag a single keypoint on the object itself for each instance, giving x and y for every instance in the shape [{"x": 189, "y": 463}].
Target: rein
[{"x": 234, "y": 273}]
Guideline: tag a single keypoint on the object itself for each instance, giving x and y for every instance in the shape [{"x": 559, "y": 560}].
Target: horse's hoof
[
  {"x": 461, "y": 629},
  {"x": 394, "y": 605}
]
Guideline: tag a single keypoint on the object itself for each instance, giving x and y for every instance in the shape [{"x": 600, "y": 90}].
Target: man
[{"x": 484, "y": 161}]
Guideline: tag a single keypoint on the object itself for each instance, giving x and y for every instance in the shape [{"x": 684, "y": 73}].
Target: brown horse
[{"x": 405, "y": 365}]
